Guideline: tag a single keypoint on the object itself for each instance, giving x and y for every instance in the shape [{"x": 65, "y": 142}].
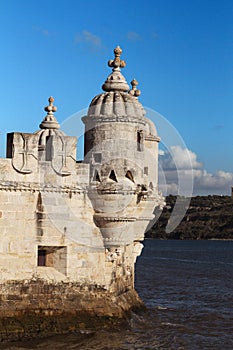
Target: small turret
[
  {"x": 53, "y": 144},
  {"x": 122, "y": 192},
  {"x": 49, "y": 127}
]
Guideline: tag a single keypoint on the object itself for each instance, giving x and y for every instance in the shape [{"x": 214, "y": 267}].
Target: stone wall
[
  {"x": 70, "y": 232},
  {"x": 34, "y": 308}
]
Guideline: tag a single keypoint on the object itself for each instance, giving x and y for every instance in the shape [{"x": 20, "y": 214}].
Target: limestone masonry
[{"x": 71, "y": 231}]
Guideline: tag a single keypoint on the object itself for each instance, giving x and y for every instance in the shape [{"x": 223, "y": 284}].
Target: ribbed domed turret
[
  {"x": 121, "y": 146},
  {"x": 117, "y": 100},
  {"x": 115, "y": 104}
]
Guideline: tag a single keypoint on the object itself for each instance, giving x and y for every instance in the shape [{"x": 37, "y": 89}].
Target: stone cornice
[
  {"x": 14, "y": 186},
  {"x": 103, "y": 191},
  {"x": 118, "y": 218},
  {"x": 145, "y": 218},
  {"x": 152, "y": 138},
  {"x": 110, "y": 119}
]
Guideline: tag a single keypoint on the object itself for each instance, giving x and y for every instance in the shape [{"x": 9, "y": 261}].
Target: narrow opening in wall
[
  {"x": 53, "y": 256},
  {"x": 139, "y": 140},
  {"x": 112, "y": 176},
  {"x": 96, "y": 176},
  {"x": 129, "y": 175},
  {"x": 97, "y": 157},
  {"x": 151, "y": 186},
  {"x": 48, "y": 149},
  {"x": 146, "y": 172},
  {"x": 41, "y": 257},
  {"x": 9, "y": 148}
]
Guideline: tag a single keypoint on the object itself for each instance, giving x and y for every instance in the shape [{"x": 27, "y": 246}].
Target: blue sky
[{"x": 181, "y": 52}]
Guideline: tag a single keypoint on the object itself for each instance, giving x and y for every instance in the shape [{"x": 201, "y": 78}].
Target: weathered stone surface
[
  {"x": 37, "y": 308},
  {"x": 23, "y": 149},
  {"x": 53, "y": 298},
  {"x": 70, "y": 231}
]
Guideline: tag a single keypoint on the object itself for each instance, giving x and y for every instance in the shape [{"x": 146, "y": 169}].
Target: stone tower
[
  {"x": 71, "y": 231},
  {"x": 121, "y": 146}
]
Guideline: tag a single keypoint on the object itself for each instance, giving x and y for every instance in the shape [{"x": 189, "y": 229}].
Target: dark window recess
[
  {"x": 41, "y": 257},
  {"x": 151, "y": 186},
  {"x": 96, "y": 176},
  {"x": 53, "y": 256},
  {"x": 48, "y": 150},
  {"x": 146, "y": 170},
  {"x": 9, "y": 149},
  {"x": 112, "y": 176},
  {"x": 129, "y": 175},
  {"x": 97, "y": 157},
  {"x": 139, "y": 141}
]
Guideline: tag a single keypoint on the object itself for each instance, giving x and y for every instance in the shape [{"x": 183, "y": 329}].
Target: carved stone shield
[
  {"x": 24, "y": 152},
  {"x": 63, "y": 154}
]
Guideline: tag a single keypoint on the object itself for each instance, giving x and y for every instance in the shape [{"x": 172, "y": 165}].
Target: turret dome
[
  {"x": 117, "y": 100},
  {"x": 151, "y": 128},
  {"x": 115, "y": 104}
]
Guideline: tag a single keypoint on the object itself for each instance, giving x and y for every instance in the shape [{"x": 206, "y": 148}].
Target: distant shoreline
[{"x": 207, "y": 218}]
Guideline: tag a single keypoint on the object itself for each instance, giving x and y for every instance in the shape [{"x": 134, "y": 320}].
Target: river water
[{"x": 187, "y": 287}]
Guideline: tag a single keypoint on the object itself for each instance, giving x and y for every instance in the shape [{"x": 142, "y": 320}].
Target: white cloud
[
  {"x": 133, "y": 36},
  {"x": 154, "y": 35},
  {"x": 92, "y": 40},
  {"x": 180, "y": 158},
  {"x": 43, "y": 31},
  {"x": 221, "y": 181},
  {"x": 180, "y": 169}
]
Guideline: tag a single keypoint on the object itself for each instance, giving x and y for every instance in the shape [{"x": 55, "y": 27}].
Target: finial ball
[
  {"x": 50, "y": 108},
  {"x": 134, "y": 91},
  {"x": 117, "y": 63},
  {"x": 118, "y": 51},
  {"x": 134, "y": 82}
]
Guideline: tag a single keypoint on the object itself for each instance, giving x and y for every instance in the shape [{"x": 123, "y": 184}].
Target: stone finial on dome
[
  {"x": 116, "y": 81},
  {"x": 117, "y": 62},
  {"x": 50, "y": 121},
  {"x": 50, "y": 108},
  {"x": 134, "y": 91}
]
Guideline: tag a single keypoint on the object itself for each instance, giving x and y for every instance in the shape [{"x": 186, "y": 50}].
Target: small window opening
[
  {"x": 53, "y": 256},
  {"x": 129, "y": 175},
  {"x": 97, "y": 157},
  {"x": 41, "y": 257},
  {"x": 10, "y": 148},
  {"x": 151, "y": 186},
  {"x": 96, "y": 176},
  {"x": 146, "y": 170},
  {"x": 48, "y": 149},
  {"x": 112, "y": 176},
  {"x": 139, "y": 141}
]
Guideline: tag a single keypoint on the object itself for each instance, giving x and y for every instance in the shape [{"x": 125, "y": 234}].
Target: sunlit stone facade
[{"x": 78, "y": 224}]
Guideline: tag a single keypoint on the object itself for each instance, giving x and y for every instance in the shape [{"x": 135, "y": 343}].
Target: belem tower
[{"x": 71, "y": 231}]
